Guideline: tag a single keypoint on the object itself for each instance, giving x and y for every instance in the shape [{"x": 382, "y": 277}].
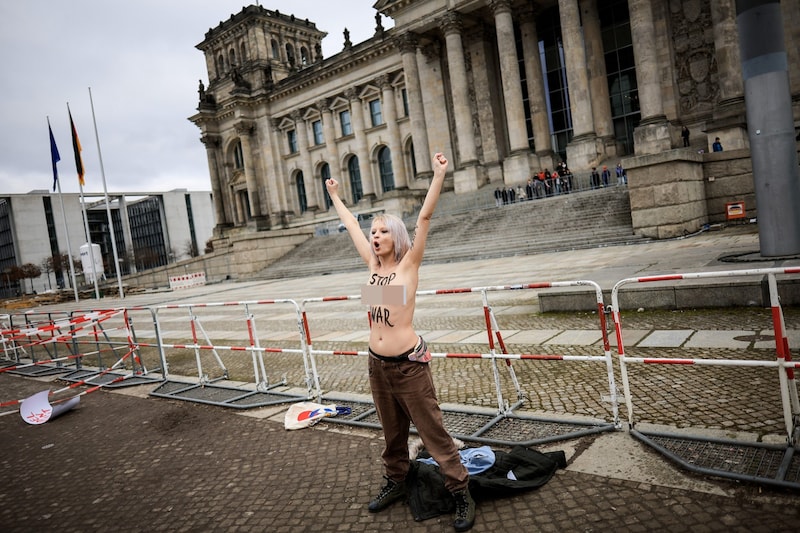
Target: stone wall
[{"x": 729, "y": 178}]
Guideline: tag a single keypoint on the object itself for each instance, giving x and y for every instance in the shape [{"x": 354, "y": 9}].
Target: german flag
[{"x": 76, "y": 146}]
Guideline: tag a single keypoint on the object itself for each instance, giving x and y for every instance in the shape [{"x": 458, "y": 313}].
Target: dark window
[
  {"x": 301, "y": 193},
  {"x": 375, "y": 112},
  {"x": 325, "y": 174},
  {"x": 355, "y": 179},
  {"x": 385, "y": 166},
  {"x": 319, "y": 138},
  {"x": 621, "y": 71},
  {"x": 344, "y": 119},
  {"x": 291, "y": 136},
  {"x": 238, "y": 157}
]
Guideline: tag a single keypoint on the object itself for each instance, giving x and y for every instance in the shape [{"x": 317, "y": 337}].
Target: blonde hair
[{"x": 399, "y": 233}]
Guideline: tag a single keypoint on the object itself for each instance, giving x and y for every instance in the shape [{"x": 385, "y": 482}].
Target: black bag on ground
[{"x": 513, "y": 472}]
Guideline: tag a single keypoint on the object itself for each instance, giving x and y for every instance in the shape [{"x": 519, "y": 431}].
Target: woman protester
[{"x": 399, "y": 374}]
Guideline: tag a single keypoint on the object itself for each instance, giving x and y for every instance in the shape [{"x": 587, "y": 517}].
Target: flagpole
[
  {"x": 76, "y": 146},
  {"x": 69, "y": 246},
  {"x": 89, "y": 240},
  {"x": 57, "y": 158},
  {"x": 105, "y": 194}
]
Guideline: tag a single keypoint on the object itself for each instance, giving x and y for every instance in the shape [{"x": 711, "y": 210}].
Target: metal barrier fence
[
  {"x": 769, "y": 464},
  {"x": 504, "y": 426},
  {"x": 37, "y": 336},
  {"x": 207, "y": 388}
]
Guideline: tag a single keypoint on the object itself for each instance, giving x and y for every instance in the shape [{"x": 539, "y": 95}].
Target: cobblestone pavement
[
  {"x": 125, "y": 461},
  {"x": 120, "y": 462}
]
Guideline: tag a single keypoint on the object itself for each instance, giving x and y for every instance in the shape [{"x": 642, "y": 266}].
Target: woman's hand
[
  {"x": 439, "y": 163},
  {"x": 333, "y": 186}
]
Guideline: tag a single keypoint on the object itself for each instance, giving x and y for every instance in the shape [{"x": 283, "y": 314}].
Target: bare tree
[
  {"x": 30, "y": 271},
  {"x": 190, "y": 249}
]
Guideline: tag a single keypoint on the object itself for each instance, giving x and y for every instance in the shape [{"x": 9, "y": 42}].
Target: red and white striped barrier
[
  {"x": 186, "y": 281},
  {"x": 494, "y": 336},
  {"x": 788, "y": 387}
]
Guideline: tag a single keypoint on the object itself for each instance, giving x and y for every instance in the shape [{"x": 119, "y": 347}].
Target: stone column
[
  {"x": 329, "y": 132},
  {"x": 279, "y": 178},
  {"x": 509, "y": 73},
  {"x": 390, "y": 116},
  {"x": 241, "y": 218},
  {"x": 729, "y": 115},
  {"x": 212, "y": 143},
  {"x": 652, "y": 136},
  {"x": 359, "y": 129},
  {"x": 408, "y": 50},
  {"x": 582, "y": 149},
  {"x": 451, "y": 25},
  {"x": 305, "y": 164},
  {"x": 596, "y": 65},
  {"x": 577, "y": 77},
  {"x": 245, "y": 129},
  {"x": 535, "y": 83}
]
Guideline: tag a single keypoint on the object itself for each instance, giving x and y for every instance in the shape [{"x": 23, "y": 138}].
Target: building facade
[
  {"x": 151, "y": 230},
  {"x": 503, "y": 87}
]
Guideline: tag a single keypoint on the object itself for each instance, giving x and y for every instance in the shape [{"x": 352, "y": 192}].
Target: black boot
[
  {"x": 390, "y": 493},
  {"x": 465, "y": 510}
]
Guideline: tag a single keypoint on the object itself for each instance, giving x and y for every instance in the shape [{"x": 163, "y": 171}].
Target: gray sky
[{"x": 140, "y": 60}]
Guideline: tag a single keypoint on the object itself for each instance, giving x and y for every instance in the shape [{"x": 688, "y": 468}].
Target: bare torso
[{"x": 391, "y": 329}]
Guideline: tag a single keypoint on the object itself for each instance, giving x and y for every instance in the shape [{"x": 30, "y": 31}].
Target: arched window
[
  {"x": 301, "y": 193},
  {"x": 238, "y": 156},
  {"x": 290, "y": 54},
  {"x": 385, "y": 167},
  {"x": 232, "y": 57},
  {"x": 243, "y": 52},
  {"x": 325, "y": 174},
  {"x": 276, "y": 51},
  {"x": 304, "y": 55},
  {"x": 355, "y": 179},
  {"x": 220, "y": 65},
  {"x": 413, "y": 158}
]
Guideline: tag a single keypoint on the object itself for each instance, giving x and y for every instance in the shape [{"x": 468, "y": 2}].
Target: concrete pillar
[
  {"x": 509, "y": 73},
  {"x": 305, "y": 164},
  {"x": 359, "y": 129},
  {"x": 245, "y": 129},
  {"x": 462, "y": 110},
  {"x": 773, "y": 148},
  {"x": 580, "y": 100},
  {"x": 280, "y": 179},
  {"x": 596, "y": 67},
  {"x": 419, "y": 132},
  {"x": 582, "y": 149},
  {"x": 329, "y": 132},
  {"x": 212, "y": 143},
  {"x": 535, "y": 82},
  {"x": 390, "y": 117},
  {"x": 729, "y": 115},
  {"x": 653, "y": 134}
]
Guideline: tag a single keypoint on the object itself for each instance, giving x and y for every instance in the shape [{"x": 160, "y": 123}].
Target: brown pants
[{"x": 403, "y": 393}]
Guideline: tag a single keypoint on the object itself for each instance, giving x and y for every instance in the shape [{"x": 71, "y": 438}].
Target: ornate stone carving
[
  {"x": 695, "y": 59},
  {"x": 451, "y": 22},
  {"x": 211, "y": 141},
  {"x": 383, "y": 81},
  {"x": 408, "y": 42},
  {"x": 245, "y": 127}
]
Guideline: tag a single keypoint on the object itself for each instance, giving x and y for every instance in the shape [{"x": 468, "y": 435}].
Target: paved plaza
[{"x": 126, "y": 460}]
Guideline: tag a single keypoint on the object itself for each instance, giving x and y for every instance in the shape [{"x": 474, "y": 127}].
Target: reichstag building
[{"x": 505, "y": 88}]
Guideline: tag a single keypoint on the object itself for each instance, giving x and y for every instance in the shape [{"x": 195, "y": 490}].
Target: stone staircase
[{"x": 473, "y": 228}]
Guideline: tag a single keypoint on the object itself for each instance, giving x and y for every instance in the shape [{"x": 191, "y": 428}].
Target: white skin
[{"x": 396, "y": 334}]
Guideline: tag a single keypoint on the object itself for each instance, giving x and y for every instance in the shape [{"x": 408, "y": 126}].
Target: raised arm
[
  {"x": 350, "y": 221},
  {"x": 426, "y": 212}
]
